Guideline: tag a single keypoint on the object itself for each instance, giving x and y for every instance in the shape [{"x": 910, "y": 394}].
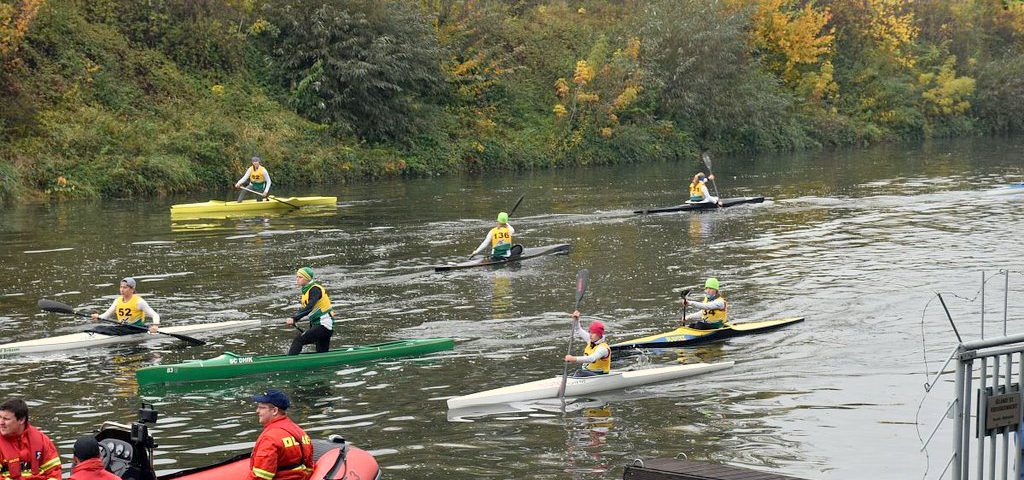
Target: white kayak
[
  {"x": 577, "y": 386},
  {"x": 89, "y": 339}
]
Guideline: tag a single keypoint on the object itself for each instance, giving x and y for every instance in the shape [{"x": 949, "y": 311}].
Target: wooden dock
[{"x": 672, "y": 469}]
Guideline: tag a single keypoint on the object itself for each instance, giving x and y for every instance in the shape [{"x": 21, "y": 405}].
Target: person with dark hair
[
  {"x": 129, "y": 308},
  {"x": 283, "y": 451},
  {"x": 26, "y": 453},
  {"x": 88, "y": 465},
  {"x": 258, "y": 179}
]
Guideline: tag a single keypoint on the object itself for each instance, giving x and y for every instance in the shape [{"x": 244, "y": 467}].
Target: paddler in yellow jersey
[
  {"x": 699, "y": 190},
  {"x": 258, "y": 178},
  {"x": 597, "y": 355},
  {"x": 129, "y": 308},
  {"x": 712, "y": 312},
  {"x": 499, "y": 239},
  {"x": 316, "y": 306}
]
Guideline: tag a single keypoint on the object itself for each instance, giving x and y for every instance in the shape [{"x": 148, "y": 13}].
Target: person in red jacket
[
  {"x": 25, "y": 452},
  {"x": 283, "y": 451},
  {"x": 88, "y": 465}
]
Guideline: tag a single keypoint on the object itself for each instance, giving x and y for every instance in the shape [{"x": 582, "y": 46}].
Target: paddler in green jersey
[
  {"x": 712, "y": 312},
  {"x": 316, "y": 306},
  {"x": 258, "y": 178},
  {"x": 499, "y": 239}
]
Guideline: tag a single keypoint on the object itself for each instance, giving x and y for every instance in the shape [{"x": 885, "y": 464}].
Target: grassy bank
[{"x": 119, "y": 98}]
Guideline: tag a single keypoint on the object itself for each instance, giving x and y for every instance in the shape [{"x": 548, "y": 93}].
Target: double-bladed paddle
[
  {"x": 707, "y": 163},
  {"x": 272, "y": 197},
  {"x": 57, "y": 307},
  {"x": 581, "y": 290}
]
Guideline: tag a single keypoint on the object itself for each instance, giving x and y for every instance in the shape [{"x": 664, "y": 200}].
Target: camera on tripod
[{"x": 140, "y": 431}]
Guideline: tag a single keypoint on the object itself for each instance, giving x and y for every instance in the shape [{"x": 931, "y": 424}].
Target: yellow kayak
[
  {"x": 686, "y": 336},
  {"x": 250, "y": 206}
]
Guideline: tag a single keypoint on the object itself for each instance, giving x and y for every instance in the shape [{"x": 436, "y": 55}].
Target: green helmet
[
  {"x": 502, "y": 217},
  {"x": 712, "y": 283}
]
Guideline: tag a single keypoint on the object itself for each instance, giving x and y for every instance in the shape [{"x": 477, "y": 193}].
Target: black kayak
[
  {"x": 726, "y": 202},
  {"x": 558, "y": 249},
  {"x": 685, "y": 336}
]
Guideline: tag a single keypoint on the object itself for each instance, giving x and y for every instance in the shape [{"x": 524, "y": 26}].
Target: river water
[{"x": 856, "y": 241}]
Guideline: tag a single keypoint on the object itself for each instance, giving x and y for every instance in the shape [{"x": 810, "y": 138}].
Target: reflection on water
[{"x": 856, "y": 242}]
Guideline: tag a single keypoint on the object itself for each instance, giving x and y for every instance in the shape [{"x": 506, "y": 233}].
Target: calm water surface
[{"x": 857, "y": 242}]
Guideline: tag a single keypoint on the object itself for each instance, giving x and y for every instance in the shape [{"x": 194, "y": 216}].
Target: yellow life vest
[
  {"x": 322, "y": 307},
  {"x": 129, "y": 312},
  {"x": 696, "y": 194},
  {"x": 715, "y": 315},
  {"x": 258, "y": 176},
  {"x": 601, "y": 364},
  {"x": 501, "y": 240}
]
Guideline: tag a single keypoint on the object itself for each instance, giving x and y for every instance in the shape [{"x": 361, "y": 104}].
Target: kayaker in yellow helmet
[
  {"x": 597, "y": 356},
  {"x": 699, "y": 190},
  {"x": 316, "y": 305},
  {"x": 712, "y": 312},
  {"x": 258, "y": 178},
  {"x": 499, "y": 239},
  {"x": 128, "y": 308}
]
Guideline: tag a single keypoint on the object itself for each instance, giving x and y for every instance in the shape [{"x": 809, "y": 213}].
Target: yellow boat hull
[{"x": 249, "y": 206}]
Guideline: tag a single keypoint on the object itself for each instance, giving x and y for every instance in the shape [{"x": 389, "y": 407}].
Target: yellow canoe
[{"x": 249, "y": 206}]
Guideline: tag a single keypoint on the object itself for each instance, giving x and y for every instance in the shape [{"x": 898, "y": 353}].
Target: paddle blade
[
  {"x": 56, "y": 307},
  {"x": 514, "y": 207},
  {"x": 581, "y": 286},
  {"x": 684, "y": 293},
  {"x": 706, "y": 159}
]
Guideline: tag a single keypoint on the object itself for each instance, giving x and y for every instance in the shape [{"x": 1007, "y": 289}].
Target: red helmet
[{"x": 597, "y": 328}]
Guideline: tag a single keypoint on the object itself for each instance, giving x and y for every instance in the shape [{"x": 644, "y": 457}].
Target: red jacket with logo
[
  {"x": 282, "y": 452},
  {"x": 91, "y": 469},
  {"x": 30, "y": 456}
]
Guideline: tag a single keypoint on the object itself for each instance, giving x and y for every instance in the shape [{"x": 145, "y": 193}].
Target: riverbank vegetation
[{"x": 123, "y": 98}]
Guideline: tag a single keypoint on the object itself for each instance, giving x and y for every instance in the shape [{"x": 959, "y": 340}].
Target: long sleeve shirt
[
  {"x": 248, "y": 171},
  {"x": 486, "y": 244},
  {"x": 716, "y": 304},
  {"x": 600, "y": 352},
  {"x": 142, "y": 306}
]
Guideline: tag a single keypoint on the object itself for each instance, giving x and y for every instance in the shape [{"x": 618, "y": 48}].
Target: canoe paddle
[
  {"x": 707, "y": 163},
  {"x": 510, "y": 212},
  {"x": 581, "y": 290},
  {"x": 57, "y": 307},
  {"x": 272, "y": 197}
]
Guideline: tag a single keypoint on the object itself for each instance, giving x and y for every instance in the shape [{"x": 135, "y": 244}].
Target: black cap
[
  {"x": 86, "y": 448},
  {"x": 274, "y": 397}
]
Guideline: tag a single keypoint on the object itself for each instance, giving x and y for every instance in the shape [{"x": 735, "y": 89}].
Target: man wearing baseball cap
[
  {"x": 129, "y": 309},
  {"x": 283, "y": 451},
  {"x": 258, "y": 178},
  {"x": 88, "y": 465},
  {"x": 597, "y": 356}
]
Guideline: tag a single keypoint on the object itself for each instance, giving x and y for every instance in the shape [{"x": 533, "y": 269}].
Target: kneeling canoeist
[
  {"x": 317, "y": 306},
  {"x": 258, "y": 178},
  {"x": 88, "y": 465},
  {"x": 283, "y": 451},
  {"x": 129, "y": 309},
  {"x": 699, "y": 190},
  {"x": 499, "y": 239},
  {"x": 712, "y": 312},
  {"x": 597, "y": 357}
]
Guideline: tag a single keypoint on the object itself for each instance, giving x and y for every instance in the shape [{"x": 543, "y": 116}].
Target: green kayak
[{"x": 231, "y": 365}]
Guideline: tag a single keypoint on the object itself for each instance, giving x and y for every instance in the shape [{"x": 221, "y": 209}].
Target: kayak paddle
[
  {"x": 57, "y": 307},
  {"x": 683, "y": 296},
  {"x": 272, "y": 197},
  {"x": 707, "y": 162},
  {"x": 581, "y": 289}
]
